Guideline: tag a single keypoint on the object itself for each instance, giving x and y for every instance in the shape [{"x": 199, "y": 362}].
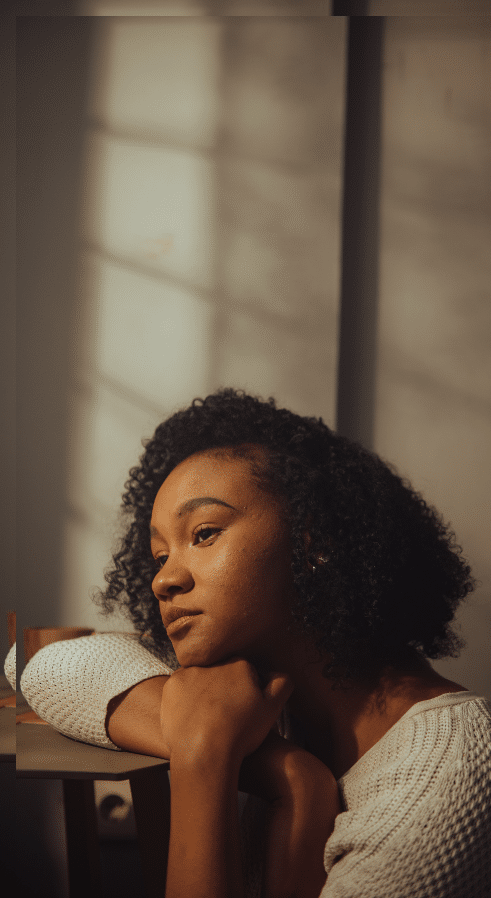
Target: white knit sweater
[
  {"x": 10, "y": 666},
  {"x": 416, "y": 819}
]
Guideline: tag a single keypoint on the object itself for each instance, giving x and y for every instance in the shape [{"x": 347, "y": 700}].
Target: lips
[{"x": 171, "y": 614}]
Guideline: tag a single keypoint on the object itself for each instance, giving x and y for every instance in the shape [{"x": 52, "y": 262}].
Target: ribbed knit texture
[
  {"x": 416, "y": 821},
  {"x": 10, "y": 667},
  {"x": 70, "y": 683}
]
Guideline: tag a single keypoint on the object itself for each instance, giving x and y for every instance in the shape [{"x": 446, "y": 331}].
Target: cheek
[
  {"x": 238, "y": 569},
  {"x": 251, "y": 585}
]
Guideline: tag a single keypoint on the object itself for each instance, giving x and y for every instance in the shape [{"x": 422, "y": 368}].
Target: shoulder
[
  {"x": 441, "y": 739},
  {"x": 417, "y": 816}
]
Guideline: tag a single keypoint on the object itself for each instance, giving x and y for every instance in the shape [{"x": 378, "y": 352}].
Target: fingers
[
  {"x": 275, "y": 686},
  {"x": 279, "y": 689}
]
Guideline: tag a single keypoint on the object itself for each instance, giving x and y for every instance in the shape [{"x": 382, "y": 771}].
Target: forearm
[
  {"x": 133, "y": 723},
  {"x": 133, "y": 718},
  {"x": 300, "y": 824},
  {"x": 204, "y": 858}
]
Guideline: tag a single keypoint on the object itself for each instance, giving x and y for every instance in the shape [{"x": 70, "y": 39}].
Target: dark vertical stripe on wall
[{"x": 360, "y": 231}]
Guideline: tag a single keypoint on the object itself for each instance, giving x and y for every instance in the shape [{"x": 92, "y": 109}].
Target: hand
[{"x": 209, "y": 712}]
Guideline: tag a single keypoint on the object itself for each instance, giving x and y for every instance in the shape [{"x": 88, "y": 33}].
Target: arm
[
  {"x": 214, "y": 718},
  {"x": 10, "y": 667},
  {"x": 302, "y": 819},
  {"x": 204, "y": 850},
  {"x": 204, "y": 847},
  {"x": 301, "y": 791},
  {"x": 70, "y": 683},
  {"x": 135, "y": 721},
  {"x": 133, "y": 718}
]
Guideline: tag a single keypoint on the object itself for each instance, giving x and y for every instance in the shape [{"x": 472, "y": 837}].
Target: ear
[{"x": 312, "y": 561}]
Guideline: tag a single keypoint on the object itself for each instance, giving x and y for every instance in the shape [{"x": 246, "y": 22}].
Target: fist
[{"x": 220, "y": 711}]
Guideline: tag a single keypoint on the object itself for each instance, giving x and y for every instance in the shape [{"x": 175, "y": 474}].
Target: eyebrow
[{"x": 192, "y": 505}]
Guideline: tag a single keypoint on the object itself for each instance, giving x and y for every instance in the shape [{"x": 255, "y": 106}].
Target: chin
[{"x": 198, "y": 655}]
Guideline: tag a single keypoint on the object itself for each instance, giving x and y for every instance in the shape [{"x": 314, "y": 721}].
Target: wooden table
[
  {"x": 43, "y": 753},
  {"x": 7, "y": 735}
]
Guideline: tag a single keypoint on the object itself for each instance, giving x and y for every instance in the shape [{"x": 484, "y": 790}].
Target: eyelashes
[
  {"x": 200, "y": 536},
  {"x": 202, "y": 530},
  {"x": 160, "y": 561}
]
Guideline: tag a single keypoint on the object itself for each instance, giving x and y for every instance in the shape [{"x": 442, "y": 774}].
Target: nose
[{"x": 173, "y": 578}]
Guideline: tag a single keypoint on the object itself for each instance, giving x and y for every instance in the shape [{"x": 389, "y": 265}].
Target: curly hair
[{"x": 386, "y": 575}]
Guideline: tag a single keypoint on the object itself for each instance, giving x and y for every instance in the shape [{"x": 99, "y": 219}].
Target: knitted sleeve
[
  {"x": 70, "y": 683},
  {"x": 418, "y": 812},
  {"x": 10, "y": 671}
]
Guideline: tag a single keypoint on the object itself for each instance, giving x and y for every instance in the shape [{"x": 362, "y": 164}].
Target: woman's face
[{"x": 223, "y": 550}]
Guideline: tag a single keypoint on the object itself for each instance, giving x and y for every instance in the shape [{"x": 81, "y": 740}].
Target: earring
[{"x": 320, "y": 560}]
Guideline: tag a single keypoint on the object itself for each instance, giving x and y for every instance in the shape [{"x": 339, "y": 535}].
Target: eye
[
  {"x": 205, "y": 533},
  {"x": 160, "y": 560}
]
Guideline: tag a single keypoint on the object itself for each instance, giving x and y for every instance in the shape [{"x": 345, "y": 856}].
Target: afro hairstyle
[{"x": 384, "y": 575}]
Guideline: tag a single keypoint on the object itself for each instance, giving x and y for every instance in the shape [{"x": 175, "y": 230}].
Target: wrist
[
  {"x": 133, "y": 718},
  {"x": 207, "y": 762}
]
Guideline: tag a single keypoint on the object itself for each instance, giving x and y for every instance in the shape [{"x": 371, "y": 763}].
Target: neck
[{"x": 341, "y": 724}]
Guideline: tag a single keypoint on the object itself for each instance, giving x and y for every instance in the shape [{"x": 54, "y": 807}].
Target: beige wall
[{"x": 209, "y": 246}]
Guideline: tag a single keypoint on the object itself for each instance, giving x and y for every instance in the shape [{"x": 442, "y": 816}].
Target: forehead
[{"x": 211, "y": 473}]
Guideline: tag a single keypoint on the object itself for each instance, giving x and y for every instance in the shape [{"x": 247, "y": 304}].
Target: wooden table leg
[
  {"x": 150, "y": 791},
  {"x": 84, "y": 863}
]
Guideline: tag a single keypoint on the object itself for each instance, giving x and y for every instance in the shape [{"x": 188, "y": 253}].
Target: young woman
[{"x": 287, "y": 588}]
